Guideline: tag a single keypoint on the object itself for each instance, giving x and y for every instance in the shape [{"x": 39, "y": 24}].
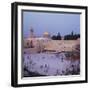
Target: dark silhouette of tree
[
  {"x": 71, "y": 36},
  {"x": 72, "y": 33},
  {"x": 56, "y": 37}
]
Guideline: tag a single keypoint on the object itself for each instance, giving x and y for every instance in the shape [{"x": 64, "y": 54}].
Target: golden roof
[{"x": 46, "y": 33}]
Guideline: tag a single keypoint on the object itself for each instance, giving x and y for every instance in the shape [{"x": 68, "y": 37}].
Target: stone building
[{"x": 34, "y": 43}]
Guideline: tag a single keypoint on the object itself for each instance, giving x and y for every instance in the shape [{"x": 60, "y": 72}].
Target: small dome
[{"x": 46, "y": 33}]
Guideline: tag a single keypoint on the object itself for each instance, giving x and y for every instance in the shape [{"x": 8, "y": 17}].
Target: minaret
[{"x": 31, "y": 33}]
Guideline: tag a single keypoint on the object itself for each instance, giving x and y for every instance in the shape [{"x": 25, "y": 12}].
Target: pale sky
[{"x": 53, "y": 23}]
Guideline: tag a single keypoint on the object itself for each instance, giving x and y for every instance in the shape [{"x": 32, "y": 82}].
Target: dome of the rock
[{"x": 46, "y": 34}]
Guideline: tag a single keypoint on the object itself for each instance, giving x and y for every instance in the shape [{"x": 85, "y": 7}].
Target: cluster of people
[{"x": 44, "y": 68}]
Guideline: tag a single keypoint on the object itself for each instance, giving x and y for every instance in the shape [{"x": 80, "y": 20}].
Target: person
[
  {"x": 41, "y": 66},
  {"x": 62, "y": 58},
  {"x": 46, "y": 68}
]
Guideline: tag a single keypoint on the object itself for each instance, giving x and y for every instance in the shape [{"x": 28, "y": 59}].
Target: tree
[
  {"x": 56, "y": 37},
  {"x": 71, "y": 36},
  {"x": 72, "y": 33}
]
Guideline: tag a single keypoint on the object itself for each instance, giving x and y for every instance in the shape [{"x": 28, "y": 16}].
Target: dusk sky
[{"x": 53, "y": 23}]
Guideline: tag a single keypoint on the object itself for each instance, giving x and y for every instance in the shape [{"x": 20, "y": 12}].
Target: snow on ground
[{"x": 49, "y": 64}]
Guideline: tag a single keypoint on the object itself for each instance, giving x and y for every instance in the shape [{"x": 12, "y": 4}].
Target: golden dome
[{"x": 46, "y": 33}]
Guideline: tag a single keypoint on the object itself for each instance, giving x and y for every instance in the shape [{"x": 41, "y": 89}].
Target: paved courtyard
[{"x": 50, "y": 64}]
